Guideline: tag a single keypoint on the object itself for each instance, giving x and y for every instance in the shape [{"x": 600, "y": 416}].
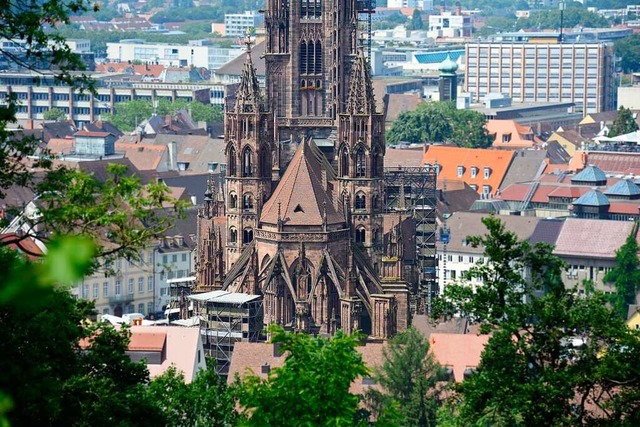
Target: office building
[
  {"x": 582, "y": 73},
  {"x": 237, "y": 24}
]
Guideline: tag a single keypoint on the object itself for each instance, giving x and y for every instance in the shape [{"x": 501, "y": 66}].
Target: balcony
[{"x": 121, "y": 299}]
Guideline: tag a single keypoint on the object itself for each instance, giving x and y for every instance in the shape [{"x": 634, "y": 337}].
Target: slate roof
[
  {"x": 526, "y": 166},
  {"x": 546, "y": 231},
  {"x": 591, "y": 174},
  {"x": 235, "y": 66},
  {"x": 101, "y": 126},
  {"x": 592, "y": 238},
  {"x": 300, "y": 195},
  {"x": 196, "y": 150},
  {"x": 592, "y": 198},
  {"x": 624, "y": 187}
]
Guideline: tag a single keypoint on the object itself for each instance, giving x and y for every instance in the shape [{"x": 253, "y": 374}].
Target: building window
[
  {"x": 474, "y": 172},
  {"x": 247, "y": 202},
  {"x": 360, "y": 201},
  {"x": 149, "y": 308},
  {"x": 247, "y": 235},
  {"x": 233, "y": 235},
  {"x": 174, "y": 258},
  {"x": 149, "y": 283},
  {"x": 140, "y": 284},
  {"x": 118, "y": 287},
  {"x": 360, "y": 235},
  {"x": 487, "y": 173},
  {"x": 184, "y": 257},
  {"x": 486, "y": 190},
  {"x": 233, "y": 201},
  {"x": 105, "y": 289},
  {"x": 131, "y": 285},
  {"x": 247, "y": 162},
  {"x": 460, "y": 258},
  {"x": 231, "y": 161},
  {"x": 360, "y": 163},
  {"x": 96, "y": 290},
  {"x": 460, "y": 171},
  {"x": 141, "y": 308},
  {"x": 506, "y": 137}
]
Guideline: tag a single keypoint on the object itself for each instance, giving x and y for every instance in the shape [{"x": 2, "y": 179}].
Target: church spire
[
  {"x": 361, "y": 99},
  {"x": 248, "y": 96}
]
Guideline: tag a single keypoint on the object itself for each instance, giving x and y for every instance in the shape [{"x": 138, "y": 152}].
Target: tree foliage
[
  {"x": 554, "y": 357},
  {"x": 625, "y": 276},
  {"x": 572, "y": 17},
  {"x": 624, "y": 123},
  {"x": 408, "y": 378},
  {"x": 311, "y": 388},
  {"x": 55, "y": 114},
  {"x": 628, "y": 49},
  {"x": 416, "y": 22},
  {"x": 440, "y": 122},
  {"x": 204, "y": 401},
  {"x": 130, "y": 114}
]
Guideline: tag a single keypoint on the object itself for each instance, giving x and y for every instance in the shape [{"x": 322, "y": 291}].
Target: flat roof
[{"x": 223, "y": 297}]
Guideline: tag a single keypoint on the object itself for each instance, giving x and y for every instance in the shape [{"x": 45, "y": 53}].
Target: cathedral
[{"x": 300, "y": 217}]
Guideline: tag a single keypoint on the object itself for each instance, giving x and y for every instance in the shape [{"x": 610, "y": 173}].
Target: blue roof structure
[
  {"x": 591, "y": 175},
  {"x": 592, "y": 198},
  {"x": 438, "y": 57},
  {"x": 624, "y": 187}
]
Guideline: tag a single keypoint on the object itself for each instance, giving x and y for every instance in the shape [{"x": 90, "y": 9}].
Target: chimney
[{"x": 173, "y": 155}]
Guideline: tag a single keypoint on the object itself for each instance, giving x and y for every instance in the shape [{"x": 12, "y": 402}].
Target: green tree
[
  {"x": 625, "y": 276},
  {"x": 416, "y": 22},
  {"x": 204, "y": 401},
  {"x": 408, "y": 377},
  {"x": 54, "y": 114},
  {"x": 440, "y": 122},
  {"x": 554, "y": 357},
  {"x": 624, "y": 123},
  {"x": 311, "y": 388},
  {"x": 129, "y": 114}
]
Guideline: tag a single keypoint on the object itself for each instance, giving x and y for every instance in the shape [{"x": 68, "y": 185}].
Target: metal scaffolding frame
[
  {"x": 225, "y": 319},
  {"x": 413, "y": 190}
]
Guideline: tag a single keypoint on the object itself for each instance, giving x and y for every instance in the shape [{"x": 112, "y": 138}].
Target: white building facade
[{"x": 237, "y": 24}]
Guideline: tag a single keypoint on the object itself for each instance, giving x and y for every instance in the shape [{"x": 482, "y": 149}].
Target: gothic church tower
[{"x": 251, "y": 157}]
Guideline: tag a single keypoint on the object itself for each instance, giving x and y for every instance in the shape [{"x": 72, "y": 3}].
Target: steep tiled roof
[
  {"x": 464, "y": 224},
  {"x": 624, "y": 207},
  {"x": 403, "y": 157},
  {"x": 458, "y": 351},
  {"x": 449, "y": 158},
  {"x": 519, "y": 136},
  {"x": 526, "y": 166},
  {"x": 592, "y": 198},
  {"x": 593, "y": 238},
  {"x": 143, "y": 156},
  {"x": 624, "y": 187},
  {"x": 235, "y": 66},
  {"x": 301, "y": 197}
]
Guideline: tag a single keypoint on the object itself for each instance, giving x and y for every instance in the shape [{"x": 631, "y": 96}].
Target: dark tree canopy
[
  {"x": 625, "y": 276},
  {"x": 440, "y": 122},
  {"x": 624, "y": 123}
]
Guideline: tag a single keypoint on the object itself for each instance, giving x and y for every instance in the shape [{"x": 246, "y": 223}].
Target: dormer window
[
  {"x": 460, "y": 171},
  {"x": 506, "y": 137},
  {"x": 487, "y": 173},
  {"x": 474, "y": 172}
]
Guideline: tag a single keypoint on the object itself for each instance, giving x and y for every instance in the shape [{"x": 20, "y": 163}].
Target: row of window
[
  {"x": 474, "y": 171},
  {"x": 117, "y": 289}
]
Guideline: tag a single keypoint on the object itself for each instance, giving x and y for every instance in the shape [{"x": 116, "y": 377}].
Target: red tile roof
[
  {"x": 147, "y": 341},
  {"x": 458, "y": 351},
  {"x": 25, "y": 245},
  {"x": 301, "y": 196},
  {"x": 519, "y": 136}
]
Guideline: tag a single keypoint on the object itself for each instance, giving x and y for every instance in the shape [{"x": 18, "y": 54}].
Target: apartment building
[
  {"x": 140, "y": 286},
  {"x": 197, "y": 53},
  {"x": 449, "y": 25},
  {"x": 237, "y": 24},
  {"x": 82, "y": 108},
  {"x": 582, "y": 73}
]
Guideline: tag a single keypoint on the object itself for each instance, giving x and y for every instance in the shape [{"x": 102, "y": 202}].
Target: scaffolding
[
  {"x": 366, "y": 8},
  {"x": 225, "y": 319},
  {"x": 413, "y": 190},
  {"x": 179, "y": 291}
]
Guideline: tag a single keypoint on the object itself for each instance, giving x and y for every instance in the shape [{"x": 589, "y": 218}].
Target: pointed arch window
[
  {"x": 317, "y": 58},
  {"x": 344, "y": 163},
  {"x": 361, "y": 235},
  {"x": 303, "y": 58},
  {"x": 375, "y": 163},
  {"x": 231, "y": 162},
  {"x": 264, "y": 163},
  {"x": 361, "y": 165},
  {"x": 361, "y": 201},
  {"x": 247, "y": 162}
]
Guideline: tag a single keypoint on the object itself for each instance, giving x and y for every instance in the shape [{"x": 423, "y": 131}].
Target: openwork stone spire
[
  {"x": 248, "y": 96},
  {"x": 361, "y": 100}
]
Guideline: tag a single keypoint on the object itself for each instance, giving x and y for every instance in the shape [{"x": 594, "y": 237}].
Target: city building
[
  {"x": 237, "y": 24},
  {"x": 82, "y": 108},
  {"x": 198, "y": 53},
  {"x": 582, "y": 73},
  {"x": 449, "y": 25}
]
